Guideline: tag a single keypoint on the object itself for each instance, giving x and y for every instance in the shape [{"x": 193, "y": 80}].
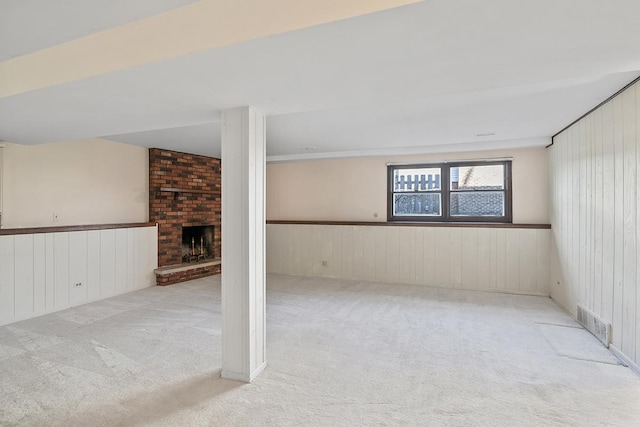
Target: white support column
[{"x": 243, "y": 244}]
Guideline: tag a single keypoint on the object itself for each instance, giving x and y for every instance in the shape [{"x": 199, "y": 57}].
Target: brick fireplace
[{"x": 184, "y": 199}]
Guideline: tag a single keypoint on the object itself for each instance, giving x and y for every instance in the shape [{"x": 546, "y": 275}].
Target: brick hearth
[{"x": 184, "y": 190}]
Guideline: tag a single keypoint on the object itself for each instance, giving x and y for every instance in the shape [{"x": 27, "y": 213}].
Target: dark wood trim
[
  {"x": 413, "y": 224},
  {"x": 66, "y": 228},
  {"x": 627, "y": 86},
  {"x": 187, "y": 190}
]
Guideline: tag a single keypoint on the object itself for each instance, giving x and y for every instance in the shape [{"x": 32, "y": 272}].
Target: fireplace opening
[{"x": 197, "y": 243}]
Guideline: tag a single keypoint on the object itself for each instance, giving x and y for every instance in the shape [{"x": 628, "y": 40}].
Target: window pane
[
  {"x": 487, "y": 177},
  {"x": 416, "y": 204},
  {"x": 419, "y": 179},
  {"x": 490, "y": 203}
]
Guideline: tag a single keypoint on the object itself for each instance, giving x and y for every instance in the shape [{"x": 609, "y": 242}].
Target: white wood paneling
[
  {"x": 392, "y": 253},
  {"x": 485, "y": 260},
  {"x": 107, "y": 262},
  {"x": 636, "y": 322},
  {"x": 39, "y": 272},
  {"x": 61, "y": 286},
  {"x": 543, "y": 264},
  {"x": 527, "y": 261},
  {"x": 131, "y": 262},
  {"x": 468, "y": 258},
  {"x": 406, "y": 266},
  {"x": 500, "y": 259},
  {"x": 94, "y": 270},
  {"x": 442, "y": 245},
  {"x": 512, "y": 263},
  {"x": 608, "y": 224},
  {"x": 455, "y": 254},
  {"x": 121, "y": 260},
  {"x": 49, "y": 272},
  {"x": 595, "y": 216},
  {"x": 618, "y": 277},
  {"x": 23, "y": 273},
  {"x": 148, "y": 252},
  {"x": 429, "y": 256},
  {"x": 7, "y": 265},
  {"x": 78, "y": 285},
  {"x": 629, "y": 214},
  {"x": 379, "y": 247}
]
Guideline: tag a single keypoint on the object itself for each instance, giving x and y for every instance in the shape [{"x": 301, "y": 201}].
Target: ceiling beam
[{"x": 197, "y": 27}]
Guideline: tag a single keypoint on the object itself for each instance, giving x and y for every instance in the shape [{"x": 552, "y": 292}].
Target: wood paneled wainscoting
[
  {"x": 488, "y": 257},
  {"x": 43, "y": 270},
  {"x": 594, "y": 167}
]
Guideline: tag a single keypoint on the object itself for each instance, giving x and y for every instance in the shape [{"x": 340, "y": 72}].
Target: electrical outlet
[
  {"x": 56, "y": 217},
  {"x": 325, "y": 263}
]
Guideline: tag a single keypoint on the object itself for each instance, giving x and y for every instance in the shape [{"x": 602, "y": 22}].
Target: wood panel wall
[
  {"x": 595, "y": 217},
  {"x": 40, "y": 273},
  {"x": 489, "y": 259}
]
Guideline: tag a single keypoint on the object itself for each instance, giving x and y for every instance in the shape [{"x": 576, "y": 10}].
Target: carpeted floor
[{"x": 339, "y": 353}]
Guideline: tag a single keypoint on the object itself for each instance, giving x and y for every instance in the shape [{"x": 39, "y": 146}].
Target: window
[{"x": 474, "y": 191}]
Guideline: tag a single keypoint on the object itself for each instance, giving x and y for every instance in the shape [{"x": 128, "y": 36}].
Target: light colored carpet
[{"x": 339, "y": 353}]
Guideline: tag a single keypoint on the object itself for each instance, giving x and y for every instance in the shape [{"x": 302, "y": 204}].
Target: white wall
[
  {"x": 40, "y": 273},
  {"x": 595, "y": 215},
  {"x": 85, "y": 182},
  {"x": 355, "y": 189},
  {"x": 488, "y": 259}
]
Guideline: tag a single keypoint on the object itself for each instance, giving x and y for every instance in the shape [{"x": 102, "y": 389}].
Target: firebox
[{"x": 197, "y": 243}]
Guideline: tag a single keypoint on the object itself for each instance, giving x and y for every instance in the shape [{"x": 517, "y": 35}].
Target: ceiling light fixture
[{"x": 485, "y": 134}]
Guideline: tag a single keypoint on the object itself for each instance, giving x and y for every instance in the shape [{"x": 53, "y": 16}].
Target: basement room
[{"x": 320, "y": 213}]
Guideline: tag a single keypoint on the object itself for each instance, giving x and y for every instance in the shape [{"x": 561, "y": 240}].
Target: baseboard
[
  {"x": 238, "y": 376},
  {"x": 620, "y": 355}
]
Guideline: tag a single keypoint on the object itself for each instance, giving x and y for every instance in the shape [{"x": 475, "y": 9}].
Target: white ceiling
[{"x": 436, "y": 73}]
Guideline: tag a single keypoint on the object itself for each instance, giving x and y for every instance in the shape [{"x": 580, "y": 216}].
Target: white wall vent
[{"x": 595, "y": 325}]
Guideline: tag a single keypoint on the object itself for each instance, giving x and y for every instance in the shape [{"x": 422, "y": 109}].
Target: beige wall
[
  {"x": 595, "y": 215},
  {"x": 85, "y": 182},
  {"x": 355, "y": 189}
]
